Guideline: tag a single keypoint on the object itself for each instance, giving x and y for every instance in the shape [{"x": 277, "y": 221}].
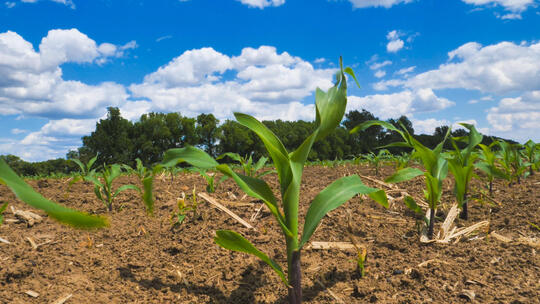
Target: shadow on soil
[{"x": 252, "y": 279}]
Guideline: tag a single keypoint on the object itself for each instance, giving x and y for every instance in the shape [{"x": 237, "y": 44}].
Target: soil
[{"x": 142, "y": 259}]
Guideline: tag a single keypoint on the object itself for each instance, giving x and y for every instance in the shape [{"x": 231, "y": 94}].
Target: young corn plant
[
  {"x": 86, "y": 170},
  {"x": 210, "y": 178},
  {"x": 330, "y": 108},
  {"x": 56, "y": 211},
  {"x": 146, "y": 178},
  {"x": 532, "y": 154},
  {"x": 402, "y": 160},
  {"x": 511, "y": 161},
  {"x": 247, "y": 165},
  {"x": 177, "y": 218},
  {"x": 435, "y": 166},
  {"x": 461, "y": 164},
  {"x": 104, "y": 189},
  {"x": 488, "y": 165},
  {"x": 376, "y": 160}
]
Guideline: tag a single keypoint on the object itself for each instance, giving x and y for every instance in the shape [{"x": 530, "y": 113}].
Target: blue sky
[{"x": 63, "y": 62}]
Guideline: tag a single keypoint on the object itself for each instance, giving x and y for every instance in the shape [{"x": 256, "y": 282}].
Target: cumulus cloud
[
  {"x": 515, "y": 7},
  {"x": 500, "y": 68},
  {"x": 394, "y": 105},
  {"x": 263, "y": 82},
  {"x": 32, "y": 81},
  {"x": 394, "y": 42},
  {"x": 377, "y": 3},
  {"x": 262, "y": 3},
  {"x": 405, "y": 71},
  {"x": 68, "y": 3},
  {"x": 517, "y": 117}
]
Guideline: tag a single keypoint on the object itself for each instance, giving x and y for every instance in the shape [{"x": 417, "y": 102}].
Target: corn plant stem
[
  {"x": 431, "y": 222},
  {"x": 295, "y": 279},
  {"x": 464, "y": 215}
]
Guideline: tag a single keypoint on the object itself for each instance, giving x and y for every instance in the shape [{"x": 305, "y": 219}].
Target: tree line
[{"x": 118, "y": 140}]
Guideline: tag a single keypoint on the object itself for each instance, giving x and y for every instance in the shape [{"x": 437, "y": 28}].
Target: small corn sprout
[
  {"x": 488, "y": 165},
  {"x": 86, "y": 170},
  {"x": 177, "y": 218},
  {"x": 376, "y": 160},
  {"x": 104, "y": 190},
  {"x": 247, "y": 165},
  {"x": 210, "y": 178},
  {"x": 146, "y": 177}
]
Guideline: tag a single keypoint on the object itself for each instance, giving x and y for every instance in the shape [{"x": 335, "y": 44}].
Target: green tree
[
  {"x": 207, "y": 130},
  {"x": 111, "y": 139}
]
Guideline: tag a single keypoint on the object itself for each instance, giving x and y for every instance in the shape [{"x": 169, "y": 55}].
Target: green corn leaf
[
  {"x": 90, "y": 163},
  {"x": 404, "y": 175},
  {"x": 411, "y": 204},
  {"x": 233, "y": 241},
  {"x": 60, "y": 213},
  {"x": 148, "y": 198},
  {"x": 124, "y": 188},
  {"x": 80, "y": 164},
  {"x": 2, "y": 209},
  {"x": 259, "y": 189},
  {"x": 367, "y": 124},
  {"x": 333, "y": 196},
  {"x": 194, "y": 156},
  {"x": 231, "y": 155}
]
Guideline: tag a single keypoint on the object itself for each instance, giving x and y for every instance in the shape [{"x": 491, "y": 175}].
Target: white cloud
[
  {"x": 163, "y": 38},
  {"x": 402, "y": 103},
  {"x": 377, "y": 3},
  {"x": 428, "y": 126},
  {"x": 514, "y": 6},
  {"x": 380, "y": 74},
  {"x": 405, "y": 71},
  {"x": 17, "y": 131},
  {"x": 517, "y": 117},
  {"x": 262, "y": 82},
  {"x": 262, "y": 3},
  {"x": 378, "y": 65},
  {"x": 32, "y": 81},
  {"x": 496, "y": 69},
  {"x": 319, "y": 60},
  {"x": 68, "y": 3},
  {"x": 394, "y": 42},
  {"x": 10, "y": 4}
]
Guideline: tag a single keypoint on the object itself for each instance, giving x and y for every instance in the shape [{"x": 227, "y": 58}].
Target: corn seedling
[
  {"x": 361, "y": 251},
  {"x": 146, "y": 178},
  {"x": 85, "y": 170},
  {"x": 511, "y": 161},
  {"x": 104, "y": 189},
  {"x": 435, "y": 166},
  {"x": 56, "y": 211},
  {"x": 461, "y": 164},
  {"x": 2, "y": 209},
  {"x": 177, "y": 218},
  {"x": 375, "y": 160},
  {"x": 402, "y": 160},
  {"x": 330, "y": 108},
  {"x": 247, "y": 165},
  {"x": 488, "y": 165},
  {"x": 210, "y": 178},
  {"x": 532, "y": 154}
]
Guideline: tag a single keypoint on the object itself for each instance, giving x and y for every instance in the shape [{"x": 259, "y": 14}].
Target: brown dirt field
[{"x": 141, "y": 259}]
